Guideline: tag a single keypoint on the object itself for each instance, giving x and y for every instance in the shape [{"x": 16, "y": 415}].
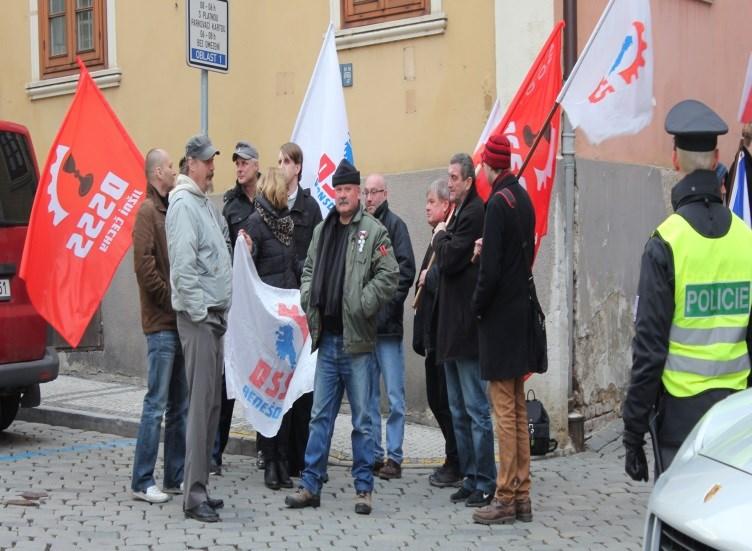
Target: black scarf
[
  {"x": 329, "y": 269},
  {"x": 279, "y": 222}
]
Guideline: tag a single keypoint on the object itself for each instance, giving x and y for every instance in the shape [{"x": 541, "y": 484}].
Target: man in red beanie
[{"x": 501, "y": 305}]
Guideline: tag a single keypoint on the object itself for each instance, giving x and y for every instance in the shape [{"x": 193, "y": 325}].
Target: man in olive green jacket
[{"x": 350, "y": 272}]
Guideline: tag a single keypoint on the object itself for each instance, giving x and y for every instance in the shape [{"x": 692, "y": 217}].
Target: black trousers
[
  {"x": 290, "y": 442},
  {"x": 438, "y": 401},
  {"x": 225, "y": 419}
]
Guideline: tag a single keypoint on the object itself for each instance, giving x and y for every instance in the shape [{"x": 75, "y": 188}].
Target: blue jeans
[
  {"x": 337, "y": 372},
  {"x": 167, "y": 394},
  {"x": 471, "y": 419},
  {"x": 387, "y": 360}
]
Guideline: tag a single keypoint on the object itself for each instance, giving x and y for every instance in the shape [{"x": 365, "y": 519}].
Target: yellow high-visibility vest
[{"x": 713, "y": 277}]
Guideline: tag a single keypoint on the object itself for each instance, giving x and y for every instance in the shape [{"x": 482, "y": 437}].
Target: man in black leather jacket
[{"x": 388, "y": 357}]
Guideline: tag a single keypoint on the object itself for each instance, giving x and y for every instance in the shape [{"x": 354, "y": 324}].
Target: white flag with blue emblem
[
  {"x": 321, "y": 129},
  {"x": 610, "y": 89},
  {"x": 739, "y": 203},
  {"x": 268, "y": 358}
]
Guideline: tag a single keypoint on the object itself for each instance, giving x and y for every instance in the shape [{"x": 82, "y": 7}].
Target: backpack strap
[{"x": 511, "y": 200}]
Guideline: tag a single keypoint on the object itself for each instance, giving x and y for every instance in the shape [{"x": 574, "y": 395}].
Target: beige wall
[
  {"x": 701, "y": 52},
  {"x": 396, "y": 124},
  {"x": 521, "y": 28}
]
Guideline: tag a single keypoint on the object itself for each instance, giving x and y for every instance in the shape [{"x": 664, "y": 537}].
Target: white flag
[
  {"x": 610, "y": 89},
  {"x": 268, "y": 358},
  {"x": 321, "y": 129}
]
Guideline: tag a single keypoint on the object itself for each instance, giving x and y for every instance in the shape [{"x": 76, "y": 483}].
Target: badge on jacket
[{"x": 362, "y": 234}]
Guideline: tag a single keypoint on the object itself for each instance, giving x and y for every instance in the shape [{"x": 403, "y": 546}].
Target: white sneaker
[{"x": 152, "y": 494}]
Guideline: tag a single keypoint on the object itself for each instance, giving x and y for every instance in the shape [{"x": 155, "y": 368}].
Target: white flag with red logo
[
  {"x": 610, "y": 90},
  {"x": 745, "y": 106},
  {"x": 268, "y": 358},
  {"x": 321, "y": 129},
  {"x": 524, "y": 119},
  {"x": 84, "y": 210}
]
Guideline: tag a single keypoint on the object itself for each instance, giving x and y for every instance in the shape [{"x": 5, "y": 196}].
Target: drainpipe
[{"x": 567, "y": 154}]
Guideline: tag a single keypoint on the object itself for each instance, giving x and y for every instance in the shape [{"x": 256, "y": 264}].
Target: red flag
[
  {"x": 521, "y": 123},
  {"x": 83, "y": 213}
]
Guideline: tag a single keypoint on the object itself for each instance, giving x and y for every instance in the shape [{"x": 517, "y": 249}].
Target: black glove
[{"x": 635, "y": 462}]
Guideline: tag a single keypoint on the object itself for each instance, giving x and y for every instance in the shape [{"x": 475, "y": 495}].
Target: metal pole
[
  {"x": 205, "y": 102},
  {"x": 567, "y": 154}
]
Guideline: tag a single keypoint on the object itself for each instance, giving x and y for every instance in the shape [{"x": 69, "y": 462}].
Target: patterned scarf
[{"x": 281, "y": 226}]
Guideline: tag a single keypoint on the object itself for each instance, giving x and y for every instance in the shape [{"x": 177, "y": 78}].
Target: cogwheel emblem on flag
[{"x": 632, "y": 43}]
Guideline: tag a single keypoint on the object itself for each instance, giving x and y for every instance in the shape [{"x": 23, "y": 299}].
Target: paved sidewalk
[
  {"x": 115, "y": 408},
  {"x": 581, "y": 501}
]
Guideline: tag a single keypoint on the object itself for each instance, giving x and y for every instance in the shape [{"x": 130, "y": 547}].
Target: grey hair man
[
  {"x": 201, "y": 276},
  {"x": 457, "y": 335},
  {"x": 438, "y": 209}
]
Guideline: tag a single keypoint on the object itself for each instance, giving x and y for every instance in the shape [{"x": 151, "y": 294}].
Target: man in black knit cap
[{"x": 350, "y": 272}]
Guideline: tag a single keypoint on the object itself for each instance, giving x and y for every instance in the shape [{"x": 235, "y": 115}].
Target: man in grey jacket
[{"x": 201, "y": 276}]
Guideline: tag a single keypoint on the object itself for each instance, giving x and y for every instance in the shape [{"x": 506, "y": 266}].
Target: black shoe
[
  {"x": 215, "y": 503},
  {"x": 445, "y": 476},
  {"x": 460, "y": 495},
  {"x": 302, "y": 498},
  {"x": 284, "y": 476},
  {"x": 271, "y": 478},
  {"x": 479, "y": 499},
  {"x": 215, "y": 468},
  {"x": 202, "y": 512}
]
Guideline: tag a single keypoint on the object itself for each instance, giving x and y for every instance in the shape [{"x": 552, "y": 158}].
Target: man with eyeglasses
[{"x": 388, "y": 359}]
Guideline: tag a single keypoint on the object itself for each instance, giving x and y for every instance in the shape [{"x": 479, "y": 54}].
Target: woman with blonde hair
[{"x": 273, "y": 250}]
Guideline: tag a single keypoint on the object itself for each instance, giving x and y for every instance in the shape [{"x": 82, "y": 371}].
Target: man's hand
[
  {"x": 635, "y": 462},
  {"x": 422, "y": 278},
  {"x": 247, "y": 239},
  {"x": 477, "y": 248}
]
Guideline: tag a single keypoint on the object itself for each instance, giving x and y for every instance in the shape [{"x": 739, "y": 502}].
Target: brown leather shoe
[
  {"x": 497, "y": 512},
  {"x": 391, "y": 469},
  {"x": 302, "y": 498},
  {"x": 524, "y": 510}
]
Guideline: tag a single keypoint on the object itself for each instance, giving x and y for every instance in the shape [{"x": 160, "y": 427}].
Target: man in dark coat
[
  {"x": 685, "y": 356},
  {"x": 457, "y": 335},
  {"x": 306, "y": 214},
  {"x": 438, "y": 208},
  {"x": 237, "y": 212},
  {"x": 388, "y": 359},
  {"x": 502, "y": 307}
]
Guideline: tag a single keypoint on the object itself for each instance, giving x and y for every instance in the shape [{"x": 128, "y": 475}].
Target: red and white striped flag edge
[{"x": 745, "y": 106}]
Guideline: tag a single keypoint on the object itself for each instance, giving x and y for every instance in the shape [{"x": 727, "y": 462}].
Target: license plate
[{"x": 4, "y": 289}]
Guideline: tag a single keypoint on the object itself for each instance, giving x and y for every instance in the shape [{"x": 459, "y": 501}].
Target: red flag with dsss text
[
  {"x": 521, "y": 123},
  {"x": 80, "y": 226}
]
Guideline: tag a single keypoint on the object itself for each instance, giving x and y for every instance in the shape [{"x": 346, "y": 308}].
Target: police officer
[{"x": 691, "y": 344}]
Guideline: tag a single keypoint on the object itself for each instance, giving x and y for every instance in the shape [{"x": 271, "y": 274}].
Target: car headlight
[{"x": 692, "y": 443}]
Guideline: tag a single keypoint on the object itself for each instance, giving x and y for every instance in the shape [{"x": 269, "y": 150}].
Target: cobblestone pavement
[{"x": 581, "y": 501}]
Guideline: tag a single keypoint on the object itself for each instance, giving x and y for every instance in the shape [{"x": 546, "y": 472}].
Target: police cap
[{"x": 695, "y": 126}]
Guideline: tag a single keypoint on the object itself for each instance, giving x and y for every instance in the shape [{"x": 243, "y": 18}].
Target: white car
[{"x": 704, "y": 500}]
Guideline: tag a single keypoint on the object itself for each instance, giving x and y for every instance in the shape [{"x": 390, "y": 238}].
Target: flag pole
[
  {"x": 585, "y": 50},
  {"x": 538, "y": 138}
]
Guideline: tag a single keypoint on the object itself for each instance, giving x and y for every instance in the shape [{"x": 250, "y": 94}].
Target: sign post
[{"x": 207, "y": 31}]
